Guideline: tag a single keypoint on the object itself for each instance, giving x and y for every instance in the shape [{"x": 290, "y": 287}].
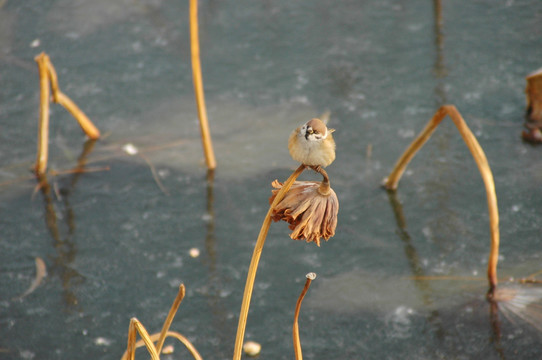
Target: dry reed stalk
[
  {"x": 60, "y": 98},
  {"x": 43, "y": 127},
  {"x": 88, "y": 127},
  {"x": 154, "y": 337},
  {"x": 253, "y": 267},
  {"x": 198, "y": 87},
  {"x": 49, "y": 88},
  {"x": 295, "y": 331},
  {"x": 169, "y": 319},
  {"x": 483, "y": 166},
  {"x": 148, "y": 340},
  {"x": 134, "y": 328}
]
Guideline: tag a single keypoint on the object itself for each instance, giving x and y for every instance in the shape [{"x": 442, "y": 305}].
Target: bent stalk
[
  {"x": 169, "y": 319},
  {"x": 295, "y": 330},
  {"x": 49, "y": 88},
  {"x": 483, "y": 166},
  {"x": 253, "y": 267}
]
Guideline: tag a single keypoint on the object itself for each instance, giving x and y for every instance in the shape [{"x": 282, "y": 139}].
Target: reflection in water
[
  {"x": 215, "y": 283},
  {"x": 414, "y": 263},
  {"x": 436, "y": 190},
  {"x": 65, "y": 248},
  {"x": 64, "y": 245},
  {"x": 210, "y": 242},
  {"x": 440, "y": 70},
  {"x": 509, "y": 299},
  {"x": 518, "y": 304},
  {"x": 496, "y": 326}
]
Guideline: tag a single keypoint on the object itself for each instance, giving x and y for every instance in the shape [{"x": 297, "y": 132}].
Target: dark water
[{"x": 116, "y": 242}]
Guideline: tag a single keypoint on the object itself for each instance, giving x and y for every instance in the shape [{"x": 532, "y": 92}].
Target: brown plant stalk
[
  {"x": 198, "y": 87},
  {"x": 49, "y": 89},
  {"x": 295, "y": 330},
  {"x": 483, "y": 166},
  {"x": 148, "y": 340},
  {"x": 134, "y": 328},
  {"x": 60, "y": 98},
  {"x": 169, "y": 319},
  {"x": 253, "y": 267},
  {"x": 43, "y": 127},
  {"x": 154, "y": 337}
]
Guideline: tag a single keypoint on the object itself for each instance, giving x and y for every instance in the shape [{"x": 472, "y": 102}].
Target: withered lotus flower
[{"x": 310, "y": 208}]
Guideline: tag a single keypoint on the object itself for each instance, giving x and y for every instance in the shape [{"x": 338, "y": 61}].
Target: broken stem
[
  {"x": 253, "y": 267},
  {"x": 297, "y": 342},
  {"x": 135, "y": 325},
  {"x": 483, "y": 166},
  {"x": 48, "y": 85},
  {"x": 60, "y": 98},
  {"x": 169, "y": 319},
  {"x": 86, "y": 125},
  {"x": 189, "y": 346}
]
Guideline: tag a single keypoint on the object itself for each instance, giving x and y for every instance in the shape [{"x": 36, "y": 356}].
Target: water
[{"x": 116, "y": 241}]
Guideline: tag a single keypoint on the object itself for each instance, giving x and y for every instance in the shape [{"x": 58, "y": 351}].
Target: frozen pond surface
[{"x": 116, "y": 243}]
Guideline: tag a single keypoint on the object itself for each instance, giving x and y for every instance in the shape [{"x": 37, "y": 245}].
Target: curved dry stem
[
  {"x": 191, "y": 348},
  {"x": 483, "y": 166},
  {"x": 169, "y": 319},
  {"x": 320, "y": 170},
  {"x": 198, "y": 87},
  {"x": 59, "y": 97},
  {"x": 135, "y": 325},
  {"x": 43, "y": 127},
  {"x": 325, "y": 186},
  {"x": 48, "y": 85},
  {"x": 186, "y": 343},
  {"x": 253, "y": 267},
  {"x": 297, "y": 342}
]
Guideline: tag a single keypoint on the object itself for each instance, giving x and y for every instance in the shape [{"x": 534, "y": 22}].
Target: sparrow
[{"x": 312, "y": 144}]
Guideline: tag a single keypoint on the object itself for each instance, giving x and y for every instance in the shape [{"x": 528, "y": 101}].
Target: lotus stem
[
  {"x": 253, "y": 267},
  {"x": 135, "y": 325},
  {"x": 148, "y": 340},
  {"x": 60, "y": 98},
  {"x": 198, "y": 87},
  {"x": 43, "y": 127},
  {"x": 191, "y": 348},
  {"x": 325, "y": 186},
  {"x": 297, "y": 342},
  {"x": 169, "y": 319},
  {"x": 86, "y": 125},
  {"x": 49, "y": 88},
  {"x": 483, "y": 166}
]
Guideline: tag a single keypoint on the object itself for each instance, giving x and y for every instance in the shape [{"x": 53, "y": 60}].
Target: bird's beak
[{"x": 308, "y": 132}]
